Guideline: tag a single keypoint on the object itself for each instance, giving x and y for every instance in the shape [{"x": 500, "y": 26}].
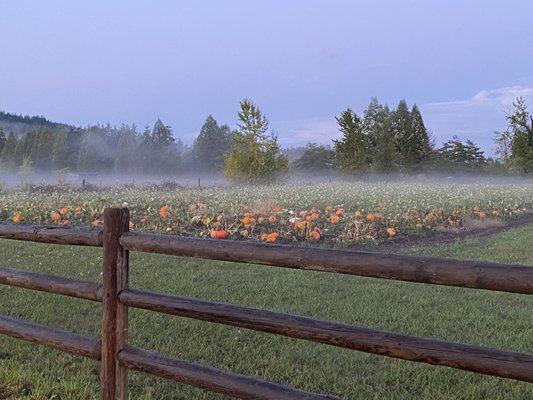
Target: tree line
[{"x": 379, "y": 140}]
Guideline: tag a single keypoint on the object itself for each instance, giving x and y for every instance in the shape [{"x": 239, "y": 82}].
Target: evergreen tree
[
  {"x": 461, "y": 156},
  {"x": 402, "y": 124},
  {"x": 212, "y": 145},
  {"x": 413, "y": 145},
  {"x": 421, "y": 137},
  {"x": 9, "y": 150},
  {"x": 165, "y": 157},
  {"x": 60, "y": 151},
  {"x": 97, "y": 149},
  {"x": 126, "y": 159},
  {"x": 2, "y": 139},
  {"x": 255, "y": 155},
  {"x": 315, "y": 158},
  {"x": 353, "y": 149},
  {"x": 377, "y": 125}
]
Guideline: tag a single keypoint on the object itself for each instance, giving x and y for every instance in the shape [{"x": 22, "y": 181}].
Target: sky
[{"x": 301, "y": 61}]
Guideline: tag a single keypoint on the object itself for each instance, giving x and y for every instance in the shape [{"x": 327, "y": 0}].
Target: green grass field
[{"x": 492, "y": 319}]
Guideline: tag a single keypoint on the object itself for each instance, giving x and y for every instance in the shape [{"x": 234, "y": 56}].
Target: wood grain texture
[
  {"x": 74, "y": 343},
  {"x": 441, "y": 271},
  {"x": 461, "y": 356},
  {"x": 212, "y": 379},
  {"x": 52, "y": 234},
  {"x": 108, "y": 371},
  {"x": 51, "y": 284},
  {"x": 122, "y": 310}
]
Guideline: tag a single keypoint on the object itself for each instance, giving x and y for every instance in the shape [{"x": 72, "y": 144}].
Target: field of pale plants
[{"x": 333, "y": 213}]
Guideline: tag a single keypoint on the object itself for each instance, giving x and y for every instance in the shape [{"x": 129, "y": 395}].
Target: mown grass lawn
[{"x": 493, "y": 319}]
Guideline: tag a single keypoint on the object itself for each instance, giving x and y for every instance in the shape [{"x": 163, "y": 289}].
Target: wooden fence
[{"x": 117, "y": 357}]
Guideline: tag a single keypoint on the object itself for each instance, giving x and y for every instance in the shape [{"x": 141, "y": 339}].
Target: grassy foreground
[{"x": 493, "y": 319}]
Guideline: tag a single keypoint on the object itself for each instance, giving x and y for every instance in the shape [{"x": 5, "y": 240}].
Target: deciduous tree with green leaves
[{"x": 255, "y": 155}]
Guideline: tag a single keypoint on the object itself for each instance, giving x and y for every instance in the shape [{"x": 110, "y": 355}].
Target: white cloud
[
  {"x": 300, "y": 131},
  {"x": 475, "y": 118}
]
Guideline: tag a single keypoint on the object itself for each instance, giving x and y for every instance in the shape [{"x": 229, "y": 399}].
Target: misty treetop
[
  {"x": 379, "y": 140},
  {"x": 515, "y": 144}
]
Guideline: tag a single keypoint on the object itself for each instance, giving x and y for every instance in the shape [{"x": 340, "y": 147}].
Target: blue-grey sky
[{"x": 301, "y": 61}]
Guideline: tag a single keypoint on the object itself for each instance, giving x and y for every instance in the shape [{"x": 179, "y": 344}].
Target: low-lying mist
[{"x": 10, "y": 181}]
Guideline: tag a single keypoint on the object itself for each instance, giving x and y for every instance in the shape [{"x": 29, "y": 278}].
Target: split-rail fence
[{"x": 117, "y": 356}]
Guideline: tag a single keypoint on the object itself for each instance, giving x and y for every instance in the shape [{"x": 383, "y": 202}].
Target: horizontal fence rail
[
  {"x": 51, "y": 284},
  {"x": 471, "y": 274},
  {"x": 461, "y": 356},
  {"x": 117, "y": 357},
  {"x": 215, "y": 380},
  {"x": 52, "y": 235},
  {"x": 74, "y": 343}
]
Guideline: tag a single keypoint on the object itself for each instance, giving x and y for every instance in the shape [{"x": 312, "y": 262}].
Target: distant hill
[{"x": 22, "y": 124}]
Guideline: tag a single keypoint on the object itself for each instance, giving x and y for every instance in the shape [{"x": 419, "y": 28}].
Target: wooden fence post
[
  {"x": 113, "y": 379},
  {"x": 122, "y": 310}
]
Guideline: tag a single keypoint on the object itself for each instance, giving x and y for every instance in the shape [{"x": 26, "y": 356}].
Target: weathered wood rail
[{"x": 117, "y": 357}]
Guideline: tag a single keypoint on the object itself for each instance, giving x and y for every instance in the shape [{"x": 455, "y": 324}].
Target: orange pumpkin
[
  {"x": 63, "y": 210},
  {"x": 164, "y": 211},
  {"x": 269, "y": 237},
  {"x": 300, "y": 225},
  {"x": 17, "y": 218},
  {"x": 55, "y": 216},
  {"x": 219, "y": 234},
  {"x": 334, "y": 219},
  {"x": 315, "y": 235},
  {"x": 371, "y": 217},
  {"x": 391, "y": 232}
]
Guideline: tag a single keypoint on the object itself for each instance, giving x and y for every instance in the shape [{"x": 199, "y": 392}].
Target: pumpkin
[
  {"x": 269, "y": 237},
  {"x": 334, "y": 219},
  {"x": 371, "y": 217},
  {"x": 63, "y": 210},
  {"x": 219, "y": 234},
  {"x": 17, "y": 218},
  {"x": 315, "y": 235},
  {"x": 300, "y": 225},
  {"x": 164, "y": 211},
  {"x": 391, "y": 232},
  {"x": 311, "y": 217},
  {"x": 55, "y": 216}
]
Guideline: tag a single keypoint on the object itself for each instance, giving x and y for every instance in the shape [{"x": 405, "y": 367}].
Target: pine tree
[
  {"x": 255, "y": 155},
  {"x": 165, "y": 157},
  {"x": 127, "y": 150},
  {"x": 413, "y": 145},
  {"x": 97, "y": 149},
  {"x": 377, "y": 125},
  {"x": 402, "y": 125},
  {"x": 9, "y": 150},
  {"x": 60, "y": 151},
  {"x": 212, "y": 145},
  {"x": 353, "y": 149},
  {"x": 315, "y": 158},
  {"x": 421, "y": 137},
  {"x": 461, "y": 156},
  {"x": 2, "y": 139}
]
